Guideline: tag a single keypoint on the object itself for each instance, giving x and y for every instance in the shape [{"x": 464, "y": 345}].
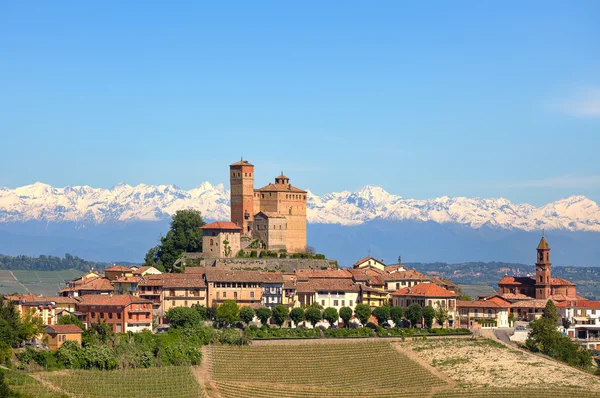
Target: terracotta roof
[
  {"x": 64, "y": 328},
  {"x": 272, "y": 277},
  {"x": 409, "y": 274},
  {"x": 424, "y": 290},
  {"x": 222, "y": 225},
  {"x": 560, "y": 282},
  {"x": 579, "y": 304},
  {"x": 287, "y": 284},
  {"x": 514, "y": 297},
  {"x": 61, "y": 300},
  {"x": 118, "y": 268},
  {"x": 110, "y": 300},
  {"x": 517, "y": 280},
  {"x": 362, "y": 260},
  {"x": 195, "y": 270},
  {"x": 142, "y": 269},
  {"x": 279, "y": 188},
  {"x": 100, "y": 284},
  {"x": 365, "y": 288},
  {"x": 327, "y": 284},
  {"x": 174, "y": 280},
  {"x": 543, "y": 243},
  {"x": 441, "y": 281},
  {"x": 480, "y": 304},
  {"x": 324, "y": 273},
  {"x": 533, "y": 303},
  {"x": 128, "y": 279},
  {"x": 242, "y": 163},
  {"x": 224, "y": 275},
  {"x": 372, "y": 276},
  {"x": 394, "y": 267}
]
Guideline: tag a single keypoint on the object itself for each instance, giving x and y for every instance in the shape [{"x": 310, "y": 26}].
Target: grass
[
  {"x": 349, "y": 368},
  {"x": 171, "y": 381},
  {"x": 525, "y": 392},
  {"x": 29, "y": 387}
]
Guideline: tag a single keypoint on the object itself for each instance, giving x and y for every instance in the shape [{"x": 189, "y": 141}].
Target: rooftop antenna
[{"x": 543, "y": 232}]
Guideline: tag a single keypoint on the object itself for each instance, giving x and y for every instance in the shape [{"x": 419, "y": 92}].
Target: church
[{"x": 543, "y": 286}]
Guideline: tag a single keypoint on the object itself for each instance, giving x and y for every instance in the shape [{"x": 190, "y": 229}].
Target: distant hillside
[{"x": 50, "y": 263}]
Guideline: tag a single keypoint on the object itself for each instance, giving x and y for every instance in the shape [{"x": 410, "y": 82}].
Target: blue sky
[{"x": 458, "y": 98}]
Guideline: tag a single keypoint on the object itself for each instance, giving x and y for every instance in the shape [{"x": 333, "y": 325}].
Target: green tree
[
  {"x": 382, "y": 314},
  {"x": 202, "y": 311},
  {"x": 441, "y": 314},
  {"x": 346, "y": 315},
  {"x": 428, "y": 316},
  {"x": 246, "y": 314},
  {"x": 331, "y": 315},
  {"x": 181, "y": 317},
  {"x": 511, "y": 318},
  {"x": 396, "y": 314},
  {"x": 363, "y": 313},
  {"x": 70, "y": 320},
  {"x": 32, "y": 324},
  {"x": 10, "y": 323},
  {"x": 226, "y": 248},
  {"x": 228, "y": 312},
  {"x": 184, "y": 235},
  {"x": 263, "y": 313},
  {"x": 313, "y": 315},
  {"x": 297, "y": 315},
  {"x": 550, "y": 311},
  {"x": 151, "y": 259},
  {"x": 280, "y": 314},
  {"x": 414, "y": 313}
]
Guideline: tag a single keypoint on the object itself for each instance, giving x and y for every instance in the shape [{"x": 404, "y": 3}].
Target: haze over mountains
[{"x": 121, "y": 223}]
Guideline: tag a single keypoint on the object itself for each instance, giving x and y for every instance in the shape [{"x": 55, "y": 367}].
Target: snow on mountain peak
[{"x": 124, "y": 203}]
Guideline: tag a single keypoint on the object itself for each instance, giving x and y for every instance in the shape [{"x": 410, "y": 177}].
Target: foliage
[
  {"x": 70, "y": 320},
  {"x": 511, "y": 318},
  {"x": 428, "y": 316},
  {"x": 312, "y": 315},
  {"x": 550, "y": 311},
  {"x": 14, "y": 328},
  {"x": 297, "y": 315},
  {"x": 246, "y": 314},
  {"x": 46, "y": 263},
  {"x": 184, "y": 235},
  {"x": 396, "y": 314},
  {"x": 363, "y": 313},
  {"x": 343, "y": 333},
  {"x": 228, "y": 312},
  {"x": 440, "y": 315},
  {"x": 346, "y": 315},
  {"x": 97, "y": 333},
  {"x": 414, "y": 313},
  {"x": 226, "y": 248},
  {"x": 202, "y": 311},
  {"x": 231, "y": 337},
  {"x": 331, "y": 315},
  {"x": 181, "y": 317},
  {"x": 263, "y": 314},
  {"x": 280, "y": 314},
  {"x": 382, "y": 314},
  {"x": 268, "y": 333}
]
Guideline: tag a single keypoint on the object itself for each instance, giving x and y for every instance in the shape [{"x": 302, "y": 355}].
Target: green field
[{"x": 47, "y": 283}]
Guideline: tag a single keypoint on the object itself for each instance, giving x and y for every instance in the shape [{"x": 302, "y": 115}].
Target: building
[
  {"x": 56, "y": 335},
  {"x": 166, "y": 291},
  {"x": 427, "y": 294},
  {"x": 543, "y": 286},
  {"x": 245, "y": 287},
  {"x": 490, "y": 311},
  {"x": 93, "y": 286},
  {"x": 126, "y": 284},
  {"x": 36, "y": 306},
  {"x": 221, "y": 239},
  {"x": 399, "y": 279},
  {"x": 373, "y": 283},
  {"x": 328, "y": 292},
  {"x": 117, "y": 271},
  {"x": 369, "y": 262},
  {"x": 272, "y": 289},
  {"x": 275, "y": 200},
  {"x": 581, "y": 321},
  {"x": 123, "y": 313}
]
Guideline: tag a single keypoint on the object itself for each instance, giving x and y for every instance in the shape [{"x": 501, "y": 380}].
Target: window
[
  {"x": 323, "y": 303},
  {"x": 235, "y": 295},
  {"x": 224, "y": 294},
  {"x": 350, "y": 303},
  {"x": 398, "y": 285},
  {"x": 185, "y": 303},
  {"x": 173, "y": 303},
  {"x": 489, "y": 313},
  {"x": 343, "y": 303},
  {"x": 252, "y": 295},
  {"x": 110, "y": 315},
  {"x": 211, "y": 242},
  {"x": 336, "y": 303},
  {"x": 118, "y": 315}
]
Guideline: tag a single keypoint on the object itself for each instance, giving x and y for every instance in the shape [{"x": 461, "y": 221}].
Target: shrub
[
  {"x": 382, "y": 314},
  {"x": 180, "y": 317},
  {"x": 300, "y": 333},
  {"x": 228, "y": 312},
  {"x": 363, "y": 313},
  {"x": 428, "y": 316},
  {"x": 346, "y": 315},
  {"x": 263, "y": 313},
  {"x": 331, "y": 315},
  {"x": 345, "y": 333},
  {"x": 313, "y": 315},
  {"x": 396, "y": 314},
  {"x": 297, "y": 315},
  {"x": 246, "y": 314},
  {"x": 280, "y": 314}
]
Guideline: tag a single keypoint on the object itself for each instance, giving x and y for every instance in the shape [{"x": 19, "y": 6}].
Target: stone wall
[{"x": 263, "y": 264}]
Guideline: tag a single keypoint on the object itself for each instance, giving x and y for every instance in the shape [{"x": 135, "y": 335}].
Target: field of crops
[
  {"x": 531, "y": 392},
  {"x": 167, "y": 382},
  {"x": 318, "y": 370},
  {"x": 47, "y": 283},
  {"x": 29, "y": 387}
]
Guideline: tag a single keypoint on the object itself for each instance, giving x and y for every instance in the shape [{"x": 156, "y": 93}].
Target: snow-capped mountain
[{"x": 124, "y": 203}]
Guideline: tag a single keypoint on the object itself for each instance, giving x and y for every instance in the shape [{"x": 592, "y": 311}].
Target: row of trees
[
  {"x": 46, "y": 263},
  {"x": 229, "y": 313}
]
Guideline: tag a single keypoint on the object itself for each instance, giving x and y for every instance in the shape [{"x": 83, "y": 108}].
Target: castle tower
[
  {"x": 543, "y": 269},
  {"x": 241, "y": 178}
]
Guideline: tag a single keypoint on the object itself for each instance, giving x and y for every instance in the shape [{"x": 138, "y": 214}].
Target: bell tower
[
  {"x": 241, "y": 179},
  {"x": 543, "y": 269}
]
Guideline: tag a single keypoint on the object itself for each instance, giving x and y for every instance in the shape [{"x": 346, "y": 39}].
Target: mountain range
[{"x": 96, "y": 222}]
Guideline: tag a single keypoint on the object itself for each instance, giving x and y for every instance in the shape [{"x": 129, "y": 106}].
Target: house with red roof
[
  {"x": 56, "y": 335},
  {"x": 486, "y": 312},
  {"x": 369, "y": 262},
  {"x": 427, "y": 294},
  {"x": 221, "y": 239},
  {"x": 581, "y": 321},
  {"x": 124, "y": 313}
]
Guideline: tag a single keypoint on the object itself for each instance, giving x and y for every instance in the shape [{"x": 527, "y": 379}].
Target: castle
[{"x": 274, "y": 216}]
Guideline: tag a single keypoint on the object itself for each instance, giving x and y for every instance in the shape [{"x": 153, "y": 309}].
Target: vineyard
[{"x": 531, "y": 392}]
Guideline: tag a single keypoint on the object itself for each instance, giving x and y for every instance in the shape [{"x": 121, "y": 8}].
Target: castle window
[
  {"x": 541, "y": 279},
  {"x": 211, "y": 242}
]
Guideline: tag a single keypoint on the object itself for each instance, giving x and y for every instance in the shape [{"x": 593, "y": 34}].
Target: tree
[
  {"x": 32, "y": 324},
  {"x": 550, "y": 311},
  {"x": 70, "y": 320},
  {"x": 151, "y": 259},
  {"x": 313, "y": 315},
  {"x": 184, "y": 235},
  {"x": 331, "y": 315},
  {"x": 280, "y": 314},
  {"x": 202, "y": 310},
  {"x": 263, "y": 313},
  {"x": 511, "y": 318},
  {"x": 414, "y": 313},
  {"x": 10, "y": 323},
  {"x": 441, "y": 314},
  {"x": 228, "y": 312},
  {"x": 297, "y": 315},
  {"x": 181, "y": 317},
  {"x": 346, "y": 315},
  {"x": 382, "y": 314},
  {"x": 396, "y": 314},
  {"x": 363, "y": 313},
  {"x": 246, "y": 314},
  {"x": 428, "y": 315}
]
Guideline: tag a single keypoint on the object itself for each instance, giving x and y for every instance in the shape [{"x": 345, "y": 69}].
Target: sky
[{"x": 425, "y": 99}]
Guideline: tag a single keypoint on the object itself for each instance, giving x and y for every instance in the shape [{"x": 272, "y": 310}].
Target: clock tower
[{"x": 543, "y": 268}]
